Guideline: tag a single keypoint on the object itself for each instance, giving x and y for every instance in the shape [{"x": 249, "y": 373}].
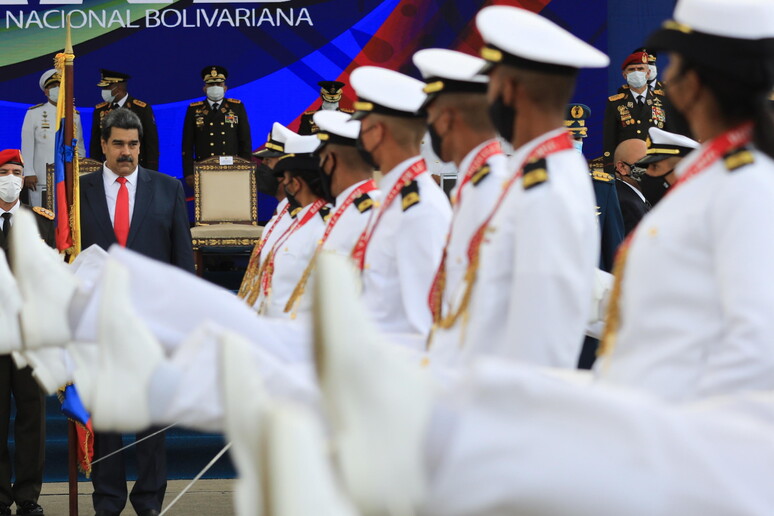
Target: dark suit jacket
[
  {"x": 611, "y": 224},
  {"x": 632, "y": 207},
  {"x": 159, "y": 227},
  {"x": 149, "y": 143},
  {"x": 45, "y": 227}
]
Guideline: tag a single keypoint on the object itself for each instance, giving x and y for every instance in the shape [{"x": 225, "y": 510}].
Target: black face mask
[
  {"x": 366, "y": 155},
  {"x": 654, "y": 188},
  {"x": 266, "y": 181},
  {"x": 326, "y": 180},
  {"x": 436, "y": 142},
  {"x": 503, "y": 117}
]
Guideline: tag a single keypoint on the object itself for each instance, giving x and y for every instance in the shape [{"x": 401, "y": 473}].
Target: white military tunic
[
  {"x": 697, "y": 303},
  {"x": 402, "y": 257},
  {"x": 531, "y": 300},
  {"x": 475, "y": 202},
  {"x": 38, "y": 139},
  {"x": 352, "y": 222},
  {"x": 280, "y": 222}
]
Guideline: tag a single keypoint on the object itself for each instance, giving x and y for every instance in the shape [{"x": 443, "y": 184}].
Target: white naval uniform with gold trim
[
  {"x": 402, "y": 257},
  {"x": 531, "y": 301},
  {"x": 290, "y": 260},
  {"x": 281, "y": 225},
  {"x": 38, "y": 139},
  {"x": 476, "y": 202},
  {"x": 351, "y": 224},
  {"x": 697, "y": 303}
]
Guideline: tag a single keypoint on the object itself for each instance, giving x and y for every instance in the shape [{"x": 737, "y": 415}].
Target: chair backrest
[
  {"x": 85, "y": 166},
  {"x": 224, "y": 191}
]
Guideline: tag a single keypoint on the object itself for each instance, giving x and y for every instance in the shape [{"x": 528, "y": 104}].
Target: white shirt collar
[
  {"x": 122, "y": 101},
  {"x": 212, "y": 103},
  {"x": 13, "y": 209},
  {"x": 111, "y": 176}
]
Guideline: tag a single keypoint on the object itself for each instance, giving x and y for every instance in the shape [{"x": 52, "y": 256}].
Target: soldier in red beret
[
  {"x": 635, "y": 109},
  {"x": 27, "y": 463}
]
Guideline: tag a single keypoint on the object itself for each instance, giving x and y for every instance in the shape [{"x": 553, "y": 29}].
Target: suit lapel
[
  {"x": 94, "y": 193},
  {"x": 143, "y": 198}
]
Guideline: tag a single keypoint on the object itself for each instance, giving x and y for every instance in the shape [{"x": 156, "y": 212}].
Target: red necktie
[{"x": 121, "y": 217}]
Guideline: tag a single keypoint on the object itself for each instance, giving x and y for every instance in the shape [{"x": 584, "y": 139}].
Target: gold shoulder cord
[
  {"x": 300, "y": 287},
  {"x": 251, "y": 274},
  {"x": 613, "y": 315}
]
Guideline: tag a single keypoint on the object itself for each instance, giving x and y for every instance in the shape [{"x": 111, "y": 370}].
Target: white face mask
[
  {"x": 330, "y": 106},
  {"x": 636, "y": 79},
  {"x": 215, "y": 93},
  {"x": 108, "y": 96},
  {"x": 53, "y": 94},
  {"x": 10, "y": 188},
  {"x": 653, "y": 72}
]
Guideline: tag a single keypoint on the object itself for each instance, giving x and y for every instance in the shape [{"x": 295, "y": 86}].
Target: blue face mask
[{"x": 578, "y": 144}]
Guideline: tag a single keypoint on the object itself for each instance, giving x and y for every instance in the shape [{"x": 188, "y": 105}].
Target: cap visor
[{"x": 650, "y": 158}]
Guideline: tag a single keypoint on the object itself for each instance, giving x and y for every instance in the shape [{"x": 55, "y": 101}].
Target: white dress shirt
[
  {"x": 291, "y": 258},
  {"x": 14, "y": 209},
  {"x": 402, "y": 257},
  {"x": 111, "y": 191},
  {"x": 697, "y": 303},
  {"x": 532, "y": 298}
]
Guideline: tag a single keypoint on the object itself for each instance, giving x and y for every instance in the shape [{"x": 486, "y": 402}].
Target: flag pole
[{"x": 69, "y": 134}]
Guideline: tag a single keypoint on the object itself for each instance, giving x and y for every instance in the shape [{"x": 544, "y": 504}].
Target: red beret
[
  {"x": 635, "y": 58},
  {"x": 12, "y": 156}
]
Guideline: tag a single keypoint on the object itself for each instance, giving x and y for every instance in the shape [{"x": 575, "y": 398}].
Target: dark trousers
[
  {"x": 29, "y": 433},
  {"x": 109, "y": 476}
]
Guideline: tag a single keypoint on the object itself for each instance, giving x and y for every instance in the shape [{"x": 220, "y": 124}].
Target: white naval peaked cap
[
  {"x": 386, "y": 92},
  {"x": 336, "y": 127},
  {"x": 275, "y": 142},
  {"x": 48, "y": 74},
  {"x": 733, "y": 37},
  {"x": 449, "y": 71},
  {"x": 521, "y": 38},
  {"x": 297, "y": 144},
  {"x": 663, "y": 145},
  {"x": 741, "y": 19}
]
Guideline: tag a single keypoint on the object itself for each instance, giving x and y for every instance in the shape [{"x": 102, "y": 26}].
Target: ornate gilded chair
[
  {"x": 85, "y": 166},
  {"x": 225, "y": 206}
]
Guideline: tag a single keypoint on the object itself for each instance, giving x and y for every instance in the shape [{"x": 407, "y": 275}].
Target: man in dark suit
[
  {"x": 634, "y": 206},
  {"x": 142, "y": 210},
  {"x": 115, "y": 95},
  {"x": 216, "y": 126},
  {"x": 30, "y": 426}
]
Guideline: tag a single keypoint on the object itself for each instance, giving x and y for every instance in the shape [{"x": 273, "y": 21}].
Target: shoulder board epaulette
[
  {"x": 410, "y": 194},
  {"x": 139, "y": 103},
  {"x": 37, "y": 105},
  {"x": 535, "y": 173},
  {"x": 346, "y": 110},
  {"x": 658, "y": 92},
  {"x": 100, "y": 106},
  {"x": 617, "y": 96},
  {"x": 599, "y": 175},
  {"x": 738, "y": 158},
  {"x": 364, "y": 203},
  {"x": 295, "y": 211},
  {"x": 480, "y": 174},
  {"x": 234, "y": 101},
  {"x": 325, "y": 213},
  {"x": 197, "y": 103},
  {"x": 43, "y": 212},
  {"x": 309, "y": 113}
]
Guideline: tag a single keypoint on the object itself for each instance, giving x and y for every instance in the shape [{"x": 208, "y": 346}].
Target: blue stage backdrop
[{"x": 275, "y": 51}]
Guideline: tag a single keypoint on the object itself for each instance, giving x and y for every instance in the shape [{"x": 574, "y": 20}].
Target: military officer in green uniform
[
  {"x": 630, "y": 113},
  {"x": 330, "y": 93},
  {"x": 115, "y": 95},
  {"x": 216, "y": 126}
]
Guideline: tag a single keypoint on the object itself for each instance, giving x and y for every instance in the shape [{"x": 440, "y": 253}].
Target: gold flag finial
[{"x": 68, "y": 40}]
